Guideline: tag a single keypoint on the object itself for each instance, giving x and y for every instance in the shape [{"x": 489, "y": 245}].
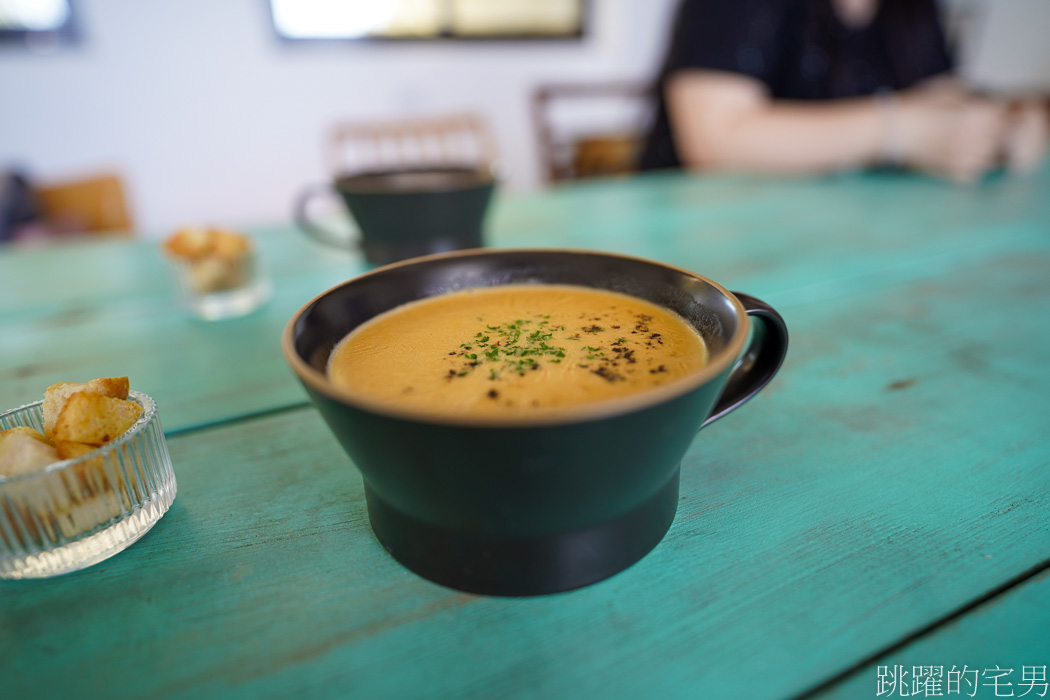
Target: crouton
[
  {"x": 114, "y": 387},
  {"x": 56, "y": 395},
  {"x": 230, "y": 245},
  {"x": 21, "y": 453},
  {"x": 72, "y": 450},
  {"x": 214, "y": 274},
  {"x": 94, "y": 419},
  {"x": 28, "y": 431},
  {"x": 190, "y": 242}
]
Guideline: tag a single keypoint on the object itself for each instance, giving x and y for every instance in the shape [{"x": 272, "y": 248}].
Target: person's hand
[
  {"x": 947, "y": 133},
  {"x": 1027, "y": 134}
]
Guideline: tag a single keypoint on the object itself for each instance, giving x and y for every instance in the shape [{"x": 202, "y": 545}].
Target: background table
[{"x": 884, "y": 502}]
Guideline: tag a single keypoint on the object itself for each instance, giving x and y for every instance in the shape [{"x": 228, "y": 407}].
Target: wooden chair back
[
  {"x": 452, "y": 140},
  {"x": 89, "y": 205},
  {"x": 592, "y": 146}
]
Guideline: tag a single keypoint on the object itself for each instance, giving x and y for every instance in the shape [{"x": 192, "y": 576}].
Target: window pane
[
  {"x": 522, "y": 17},
  {"x": 418, "y": 18},
  {"x": 33, "y": 15},
  {"x": 332, "y": 19}
]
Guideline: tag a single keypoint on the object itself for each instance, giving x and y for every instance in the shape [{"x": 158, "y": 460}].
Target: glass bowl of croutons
[
  {"x": 218, "y": 272},
  {"x": 84, "y": 473}
]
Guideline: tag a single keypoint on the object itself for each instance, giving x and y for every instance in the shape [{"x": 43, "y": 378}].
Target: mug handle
[
  {"x": 316, "y": 231},
  {"x": 761, "y": 360}
]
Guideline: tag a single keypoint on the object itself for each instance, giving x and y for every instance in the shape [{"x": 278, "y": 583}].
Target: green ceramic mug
[
  {"x": 403, "y": 214},
  {"x": 570, "y": 500}
]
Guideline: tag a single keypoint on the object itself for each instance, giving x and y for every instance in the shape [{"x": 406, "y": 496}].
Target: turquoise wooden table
[{"x": 879, "y": 514}]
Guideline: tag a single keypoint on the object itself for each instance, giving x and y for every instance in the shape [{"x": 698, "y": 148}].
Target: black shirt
[{"x": 799, "y": 50}]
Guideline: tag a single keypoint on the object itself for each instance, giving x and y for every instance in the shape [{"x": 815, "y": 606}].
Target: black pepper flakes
[{"x": 607, "y": 374}]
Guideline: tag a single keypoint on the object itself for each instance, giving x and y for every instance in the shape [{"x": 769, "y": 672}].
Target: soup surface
[{"x": 515, "y": 349}]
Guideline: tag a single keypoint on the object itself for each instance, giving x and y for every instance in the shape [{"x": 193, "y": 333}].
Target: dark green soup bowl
[{"x": 533, "y": 504}]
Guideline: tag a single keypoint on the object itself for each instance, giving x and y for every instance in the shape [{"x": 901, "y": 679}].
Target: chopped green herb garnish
[{"x": 520, "y": 348}]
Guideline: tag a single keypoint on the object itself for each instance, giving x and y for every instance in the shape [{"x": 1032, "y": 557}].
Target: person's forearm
[
  {"x": 793, "y": 138},
  {"x": 724, "y": 121}
]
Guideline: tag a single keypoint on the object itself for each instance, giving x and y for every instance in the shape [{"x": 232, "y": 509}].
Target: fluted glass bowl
[
  {"x": 78, "y": 512},
  {"x": 217, "y": 289}
]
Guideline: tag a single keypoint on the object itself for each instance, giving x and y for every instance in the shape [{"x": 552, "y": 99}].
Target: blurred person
[
  {"x": 801, "y": 87},
  {"x": 19, "y": 211}
]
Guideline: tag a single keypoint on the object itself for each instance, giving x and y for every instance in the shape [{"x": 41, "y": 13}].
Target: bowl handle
[{"x": 763, "y": 357}]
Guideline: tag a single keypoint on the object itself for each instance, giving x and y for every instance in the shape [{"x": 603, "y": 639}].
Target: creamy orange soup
[{"x": 515, "y": 349}]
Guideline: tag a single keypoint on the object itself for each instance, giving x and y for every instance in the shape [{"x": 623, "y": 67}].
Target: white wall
[{"x": 211, "y": 119}]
